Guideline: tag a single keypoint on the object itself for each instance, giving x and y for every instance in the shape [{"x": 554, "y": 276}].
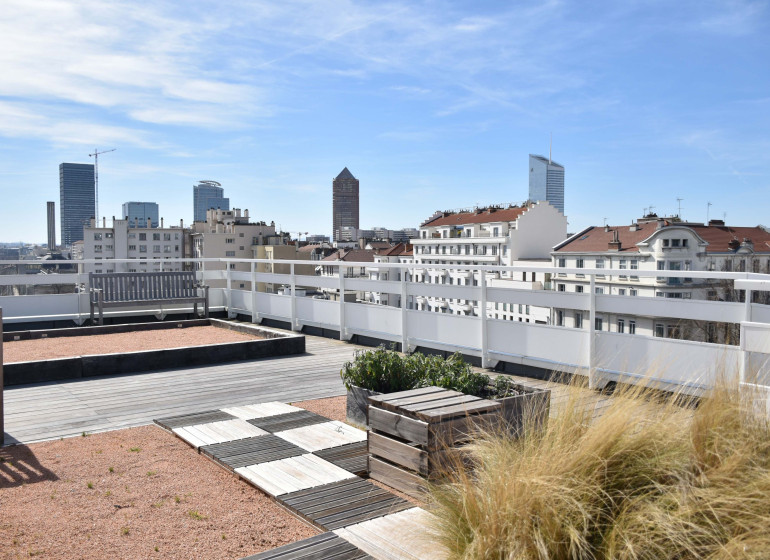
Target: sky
[{"x": 431, "y": 105}]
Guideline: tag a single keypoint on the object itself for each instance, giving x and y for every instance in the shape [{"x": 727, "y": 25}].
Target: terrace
[{"x": 333, "y": 329}]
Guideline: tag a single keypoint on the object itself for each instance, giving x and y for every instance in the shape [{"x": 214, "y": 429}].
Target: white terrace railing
[{"x": 603, "y": 356}]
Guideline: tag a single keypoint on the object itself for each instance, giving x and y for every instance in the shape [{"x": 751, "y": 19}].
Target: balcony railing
[{"x": 602, "y": 356}]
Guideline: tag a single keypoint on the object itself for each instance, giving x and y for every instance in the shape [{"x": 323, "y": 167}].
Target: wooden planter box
[
  {"x": 532, "y": 404},
  {"x": 414, "y": 435},
  {"x": 356, "y": 404}
]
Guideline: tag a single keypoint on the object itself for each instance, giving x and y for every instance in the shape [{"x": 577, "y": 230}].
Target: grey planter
[
  {"x": 532, "y": 403},
  {"x": 357, "y": 405}
]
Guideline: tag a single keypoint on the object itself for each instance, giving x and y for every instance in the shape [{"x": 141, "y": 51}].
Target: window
[
  {"x": 599, "y": 290},
  {"x": 684, "y": 243},
  {"x": 561, "y": 287},
  {"x": 166, "y": 237},
  {"x": 559, "y": 318},
  {"x": 672, "y": 331},
  {"x": 156, "y": 248},
  {"x": 495, "y": 232},
  {"x": 526, "y": 310},
  {"x": 97, "y": 248},
  {"x": 109, "y": 235},
  {"x": 579, "y": 263},
  {"x": 97, "y": 237},
  {"x": 156, "y": 237},
  {"x": 622, "y": 292},
  {"x": 109, "y": 247},
  {"x": 632, "y": 292},
  {"x": 142, "y": 237},
  {"x": 634, "y": 264},
  {"x": 167, "y": 248},
  {"x": 622, "y": 264},
  {"x": 598, "y": 324},
  {"x": 142, "y": 248},
  {"x": 521, "y": 308},
  {"x": 239, "y": 235},
  {"x": 621, "y": 326},
  {"x": 659, "y": 330},
  {"x": 132, "y": 236},
  {"x": 632, "y": 327},
  {"x": 675, "y": 243},
  {"x": 230, "y": 240},
  {"x": 132, "y": 248},
  {"x": 578, "y": 320},
  {"x": 579, "y": 289},
  {"x": 232, "y": 266},
  {"x": 599, "y": 263},
  {"x": 229, "y": 253},
  {"x": 562, "y": 262},
  {"x": 665, "y": 243}
]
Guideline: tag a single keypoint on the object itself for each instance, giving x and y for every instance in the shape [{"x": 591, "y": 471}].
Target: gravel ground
[
  {"x": 134, "y": 493},
  {"x": 49, "y": 348}
]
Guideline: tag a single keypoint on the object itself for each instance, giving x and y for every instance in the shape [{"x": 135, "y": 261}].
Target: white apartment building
[
  {"x": 229, "y": 234},
  {"x": 402, "y": 253},
  {"x": 652, "y": 244},
  {"x": 121, "y": 242},
  {"x": 346, "y": 255},
  {"x": 488, "y": 236}
]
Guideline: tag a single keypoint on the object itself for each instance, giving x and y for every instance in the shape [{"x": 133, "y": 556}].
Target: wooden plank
[
  {"x": 386, "y": 397},
  {"x": 437, "y": 404},
  {"x": 289, "y": 421},
  {"x": 323, "y": 546},
  {"x": 204, "y": 417},
  {"x": 261, "y": 410},
  {"x": 396, "y": 405},
  {"x": 395, "y": 424},
  {"x": 251, "y": 451},
  {"x": 397, "y": 478},
  {"x": 475, "y": 407},
  {"x": 322, "y": 436},
  {"x": 351, "y": 457},
  {"x": 408, "y": 456}
]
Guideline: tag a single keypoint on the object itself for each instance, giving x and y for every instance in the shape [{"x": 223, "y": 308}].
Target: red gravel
[
  {"x": 58, "y": 499},
  {"x": 63, "y": 347},
  {"x": 332, "y": 407}
]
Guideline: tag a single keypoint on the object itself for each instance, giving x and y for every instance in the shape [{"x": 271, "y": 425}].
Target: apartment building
[
  {"x": 229, "y": 234},
  {"x": 119, "y": 241},
  {"x": 657, "y": 244},
  {"x": 351, "y": 256},
  {"x": 503, "y": 236},
  {"x": 278, "y": 253},
  {"x": 401, "y": 253}
]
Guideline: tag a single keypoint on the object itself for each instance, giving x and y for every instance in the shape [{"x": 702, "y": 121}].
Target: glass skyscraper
[
  {"x": 77, "y": 200},
  {"x": 137, "y": 214},
  {"x": 344, "y": 203},
  {"x": 207, "y": 195},
  {"x": 546, "y": 181}
]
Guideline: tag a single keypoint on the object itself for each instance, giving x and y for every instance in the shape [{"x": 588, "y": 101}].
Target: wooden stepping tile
[
  {"x": 205, "y": 417},
  {"x": 323, "y": 436},
  {"x": 323, "y": 546},
  {"x": 261, "y": 410},
  {"x": 199, "y": 435},
  {"x": 351, "y": 457},
  {"x": 293, "y": 474},
  {"x": 402, "y": 535},
  {"x": 344, "y": 503},
  {"x": 283, "y": 422},
  {"x": 251, "y": 451}
]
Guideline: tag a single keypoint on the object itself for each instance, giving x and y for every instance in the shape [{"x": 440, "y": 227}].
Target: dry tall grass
[{"x": 648, "y": 479}]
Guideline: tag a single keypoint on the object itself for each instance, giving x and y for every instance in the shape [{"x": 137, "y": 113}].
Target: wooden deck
[{"x": 53, "y": 410}]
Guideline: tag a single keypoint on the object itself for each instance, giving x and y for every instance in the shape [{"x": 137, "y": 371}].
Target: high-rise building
[
  {"x": 208, "y": 195},
  {"x": 137, "y": 214},
  {"x": 546, "y": 181},
  {"x": 51, "y": 207},
  {"x": 344, "y": 202},
  {"x": 77, "y": 205}
]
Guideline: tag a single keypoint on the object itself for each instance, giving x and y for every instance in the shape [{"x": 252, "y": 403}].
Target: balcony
[{"x": 61, "y": 298}]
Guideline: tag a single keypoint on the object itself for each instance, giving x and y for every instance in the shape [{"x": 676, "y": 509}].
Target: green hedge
[{"x": 387, "y": 371}]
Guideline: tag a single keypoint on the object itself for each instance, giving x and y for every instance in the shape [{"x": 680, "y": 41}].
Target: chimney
[
  {"x": 246, "y": 213},
  {"x": 716, "y": 222},
  {"x": 149, "y": 223},
  {"x": 104, "y": 222},
  {"x": 606, "y": 228},
  {"x": 181, "y": 224},
  {"x": 93, "y": 222},
  {"x": 161, "y": 223},
  {"x": 661, "y": 223},
  {"x": 634, "y": 227},
  {"x": 614, "y": 245}
]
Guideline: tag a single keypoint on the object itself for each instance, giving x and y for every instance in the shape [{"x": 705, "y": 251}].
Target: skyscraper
[
  {"x": 77, "y": 202},
  {"x": 546, "y": 181},
  {"x": 344, "y": 202},
  {"x": 206, "y": 195},
  {"x": 51, "y": 207},
  {"x": 137, "y": 214}
]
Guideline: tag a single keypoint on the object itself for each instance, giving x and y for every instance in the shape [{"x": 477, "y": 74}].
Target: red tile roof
[
  {"x": 483, "y": 216},
  {"x": 308, "y": 248},
  {"x": 351, "y": 255},
  {"x": 397, "y": 251},
  {"x": 596, "y": 239}
]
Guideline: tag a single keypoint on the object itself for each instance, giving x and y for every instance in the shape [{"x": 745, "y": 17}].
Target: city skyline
[{"x": 434, "y": 107}]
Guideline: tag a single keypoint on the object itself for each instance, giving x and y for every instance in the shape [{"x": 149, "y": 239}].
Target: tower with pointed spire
[{"x": 344, "y": 202}]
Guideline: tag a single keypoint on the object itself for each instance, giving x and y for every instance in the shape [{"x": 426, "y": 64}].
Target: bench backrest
[{"x": 145, "y": 286}]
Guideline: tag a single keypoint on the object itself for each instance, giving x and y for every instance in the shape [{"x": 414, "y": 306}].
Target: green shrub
[{"x": 387, "y": 371}]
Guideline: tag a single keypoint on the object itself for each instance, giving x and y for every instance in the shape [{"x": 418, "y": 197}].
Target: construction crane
[{"x": 96, "y": 155}]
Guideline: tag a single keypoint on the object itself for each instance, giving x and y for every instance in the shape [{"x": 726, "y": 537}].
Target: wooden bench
[{"x": 125, "y": 289}]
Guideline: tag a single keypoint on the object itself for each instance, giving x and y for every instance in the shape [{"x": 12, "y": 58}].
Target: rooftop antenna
[
  {"x": 708, "y": 207},
  {"x": 651, "y": 208},
  {"x": 679, "y": 212},
  {"x": 550, "y": 148},
  {"x": 96, "y": 155},
  {"x": 605, "y": 221}
]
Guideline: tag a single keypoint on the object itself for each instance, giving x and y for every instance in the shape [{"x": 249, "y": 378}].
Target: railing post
[
  {"x": 483, "y": 310},
  {"x": 229, "y": 289},
  {"x": 592, "y": 381},
  {"x": 341, "y": 273},
  {"x": 294, "y": 321},
  {"x": 2, "y": 411},
  {"x": 254, "y": 316},
  {"x": 404, "y": 334},
  {"x": 744, "y": 365}
]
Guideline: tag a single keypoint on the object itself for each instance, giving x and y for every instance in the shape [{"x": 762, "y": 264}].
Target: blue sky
[{"x": 432, "y": 105}]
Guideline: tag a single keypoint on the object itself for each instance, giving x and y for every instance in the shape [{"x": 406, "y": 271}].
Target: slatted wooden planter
[{"x": 413, "y": 434}]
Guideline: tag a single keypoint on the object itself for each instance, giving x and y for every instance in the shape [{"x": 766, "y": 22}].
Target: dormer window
[{"x": 665, "y": 242}]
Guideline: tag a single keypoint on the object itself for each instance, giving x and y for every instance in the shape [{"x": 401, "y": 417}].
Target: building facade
[
  {"x": 77, "y": 200},
  {"x": 657, "y": 244},
  {"x": 546, "y": 181},
  {"x": 51, "y": 221},
  {"x": 517, "y": 235},
  {"x": 119, "y": 241},
  {"x": 402, "y": 253},
  {"x": 344, "y": 203},
  {"x": 137, "y": 214},
  {"x": 208, "y": 195}
]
